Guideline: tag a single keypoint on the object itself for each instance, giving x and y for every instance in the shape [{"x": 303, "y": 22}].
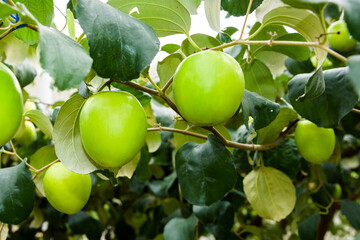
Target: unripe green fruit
[
  {"x": 11, "y": 107},
  {"x": 27, "y": 135},
  {"x": 67, "y": 192},
  {"x": 315, "y": 144},
  {"x": 341, "y": 42},
  {"x": 208, "y": 88},
  {"x": 113, "y": 128}
]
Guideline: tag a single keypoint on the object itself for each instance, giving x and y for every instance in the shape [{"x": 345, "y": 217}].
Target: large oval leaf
[
  {"x": 330, "y": 107},
  {"x": 205, "y": 171},
  {"x": 17, "y": 194},
  {"x": 270, "y": 192},
  {"x": 68, "y": 145},
  {"x": 166, "y": 17},
  {"x": 305, "y": 22},
  {"x": 63, "y": 58},
  {"x": 126, "y": 45}
]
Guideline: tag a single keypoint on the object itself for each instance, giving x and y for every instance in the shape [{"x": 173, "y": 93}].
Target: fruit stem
[
  {"x": 153, "y": 83},
  {"x": 11, "y": 3},
  {"x": 80, "y": 37},
  {"x": 167, "y": 85},
  {"x": 246, "y": 17},
  {"x": 44, "y": 168},
  {"x": 191, "y": 41}
]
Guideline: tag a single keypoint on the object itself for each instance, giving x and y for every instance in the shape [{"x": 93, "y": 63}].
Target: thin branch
[
  {"x": 287, "y": 43},
  {"x": 167, "y": 85},
  {"x": 16, "y": 155},
  {"x": 243, "y": 146},
  {"x": 10, "y": 2},
  {"x": 4, "y": 34},
  {"x": 2, "y": 227},
  {"x": 160, "y": 128},
  {"x": 44, "y": 168},
  {"x": 355, "y": 110},
  {"x": 246, "y": 17},
  {"x": 33, "y": 27},
  {"x": 139, "y": 87}
]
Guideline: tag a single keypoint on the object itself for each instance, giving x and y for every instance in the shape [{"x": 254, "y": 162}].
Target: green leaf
[
  {"x": 284, "y": 157},
  {"x": 239, "y": 7},
  {"x": 191, "y": 5},
  {"x": 202, "y": 40},
  {"x": 296, "y": 67},
  {"x": 83, "y": 90},
  {"x": 308, "y": 227},
  {"x": 329, "y": 108},
  {"x": 6, "y": 9},
  {"x": 63, "y": 58},
  {"x": 271, "y": 132},
  {"x": 197, "y": 167},
  {"x": 126, "y": 57},
  {"x": 166, "y": 69},
  {"x": 165, "y": 17},
  {"x": 315, "y": 7},
  {"x": 170, "y": 48},
  {"x": 352, "y": 17},
  {"x": 25, "y": 72},
  {"x": 217, "y": 218},
  {"x": 81, "y": 223},
  {"x": 66, "y": 135},
  {"x": 41, "y": 121},
  {"x": 39, "y": 159},
  {"x": 354, "y": 66},
  {"x": 306, "y": 23},
  {"x": 350, "y": 123},
  {"x": 70, "y": 23},
  {"x": 262, "y": 110},
  {"x": 270, "y": 192},
  {"x": 160, "y": 188},
  {"x": 315, "y": 85},
  {"x": 258, "y": 78},
  {"x": 43, "y": 11},
  {"x": 180, "y": 229},
  {"x": 351, "y": 210},
  {"x": 212, "y": 12},
  {"x": 17, "y": 194}
]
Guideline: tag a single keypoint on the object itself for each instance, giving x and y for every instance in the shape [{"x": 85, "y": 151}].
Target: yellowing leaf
[{"x": 270, "y": 192}]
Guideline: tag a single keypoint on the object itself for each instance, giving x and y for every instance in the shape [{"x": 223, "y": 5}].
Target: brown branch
[
  {"x": 324, "y": 222},
  {"x": 167, "y": 85},
  {"x": 33, "y": 27},
  {"x": 11, "y": 3},
  {"x": 246, "y": 17},
  {"x": 138, "y": 87},
  {"x": 160, "y": 128},
  {"x": 7, "y": 32},
  {"x": 44, "y": 168},
  {"x": 243, "y": 146}
]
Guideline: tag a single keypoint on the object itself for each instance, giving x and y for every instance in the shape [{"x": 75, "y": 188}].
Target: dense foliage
[{"x": 251, "y": 176}]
